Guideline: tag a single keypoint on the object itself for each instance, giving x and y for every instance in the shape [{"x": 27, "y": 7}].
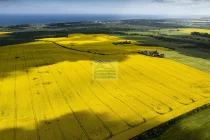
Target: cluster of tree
[
  {"x": 122, "y": 42},
  {"x": 200, "y": 34},
  {"x": 71, "y": 24}
]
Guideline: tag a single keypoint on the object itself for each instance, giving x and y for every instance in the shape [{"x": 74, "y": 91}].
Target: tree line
[{"x": 201, "y": 34}]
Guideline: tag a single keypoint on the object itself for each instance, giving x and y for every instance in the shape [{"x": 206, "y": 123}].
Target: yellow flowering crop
[
  {"x": 4, "y": 34},
  {"x": 190, "y": 30},
  {"x": 47, "y": 90}
]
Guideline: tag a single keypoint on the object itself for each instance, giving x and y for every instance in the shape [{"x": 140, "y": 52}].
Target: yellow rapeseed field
[
  {"x": 1, "y": 33},
  {"x": 47, "y": 90},
  {"x": 4, "y": 34},
  {"x": 190, "y": 30}
]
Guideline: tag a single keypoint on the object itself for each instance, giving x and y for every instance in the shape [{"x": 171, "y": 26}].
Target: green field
[{"x": 195, "y": 127}]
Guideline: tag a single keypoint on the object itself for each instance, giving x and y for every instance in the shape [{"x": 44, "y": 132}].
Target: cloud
[
  {"x": 151, "y": 7},
  {"x": 182, "y": 1}
]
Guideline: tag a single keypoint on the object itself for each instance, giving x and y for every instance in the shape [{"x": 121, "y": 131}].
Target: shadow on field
[
  {"x": 79, "y": 125},
  {"x": 83, "y": 125},
  {"x": 29, "y": 36},
  {"x": 48, "y": 53},
  {"x": 23, "y": 57},
  {"x": 21, "y": 35}
]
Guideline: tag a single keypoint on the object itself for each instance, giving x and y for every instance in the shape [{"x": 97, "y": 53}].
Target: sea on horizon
[{"x": 19, "y": 19}]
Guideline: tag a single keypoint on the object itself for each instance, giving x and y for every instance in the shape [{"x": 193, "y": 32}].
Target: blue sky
[{"x": 154, "y": 7}]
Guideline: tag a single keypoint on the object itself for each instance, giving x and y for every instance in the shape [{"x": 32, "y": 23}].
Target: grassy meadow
[
  {"x": 194, "y": 127},
  {"x": 48, "y": 92}
]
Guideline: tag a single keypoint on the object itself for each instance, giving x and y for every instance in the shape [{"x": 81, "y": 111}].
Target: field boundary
[
  {"x": 159, "y": 130},
  {"x": 160, "y": 120}
]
